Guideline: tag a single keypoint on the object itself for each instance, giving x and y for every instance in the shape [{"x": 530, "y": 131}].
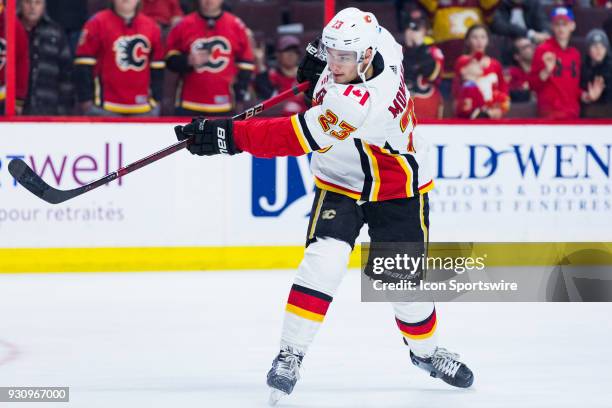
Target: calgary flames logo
[
  {"x": 132, "y": 52},
  {"x": 218, "y": 50},
  {"x": 2, "y": 52}
]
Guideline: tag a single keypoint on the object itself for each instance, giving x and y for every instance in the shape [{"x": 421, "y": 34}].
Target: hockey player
[
  {"x": 369, "y": 167},
  {"x": 22, "y": 63},
  {"x": 210, "y": 49},
  {"x": 119, "y": 62}
]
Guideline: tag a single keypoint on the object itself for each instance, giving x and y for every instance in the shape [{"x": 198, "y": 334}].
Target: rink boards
[{"x": 493, "y": 183}]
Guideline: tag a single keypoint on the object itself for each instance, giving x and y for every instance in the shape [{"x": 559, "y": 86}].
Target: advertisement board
[{"x": 493, "y": 183}]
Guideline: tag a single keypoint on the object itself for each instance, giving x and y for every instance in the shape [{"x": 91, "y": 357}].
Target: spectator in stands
[
  {"x": 167, "y": 13},
  {"x": 521, "y": 18},
  {"x": 596, "y": 75},
  {"x": 211, "y": 50},
  {"x": 422, "y": 66},
  {"x": 51, "y": 91},
  {"x": 450, "y": 21},
  {"x": 70, "y": 15},
  {"x": 119, "y": 63},
  {"x": 479, "y": 85},
  {"x": 274, "y": 80},
  {"x": 555, "y": 72},
  {"x": 517, "y": 75},
  {"x": 22, "y": 63}
]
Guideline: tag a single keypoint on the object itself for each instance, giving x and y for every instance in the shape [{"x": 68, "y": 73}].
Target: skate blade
[{"x": 275, "y": 396}]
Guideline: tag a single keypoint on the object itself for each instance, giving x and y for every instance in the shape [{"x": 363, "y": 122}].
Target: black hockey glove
[
  {"x": 208, "y": 136},
  {"x": 311, "y": 67}
]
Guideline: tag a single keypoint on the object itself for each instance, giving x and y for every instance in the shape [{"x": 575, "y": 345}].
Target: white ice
[{"x": 206, "y": 339}]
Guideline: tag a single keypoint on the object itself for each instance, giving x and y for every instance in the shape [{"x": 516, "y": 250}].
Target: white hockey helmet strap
[{"x": 352, "y": 30}]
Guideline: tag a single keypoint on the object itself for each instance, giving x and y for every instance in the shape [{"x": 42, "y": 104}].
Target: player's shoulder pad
[{"x": 350, "y": 102}]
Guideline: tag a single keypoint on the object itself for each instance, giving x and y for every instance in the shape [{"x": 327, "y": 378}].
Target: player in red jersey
[
  {"x": 477, "y": 73},
  {"x": 283, "y": 76},
  {"x": 555, "y": 72},
  {"x": 518, "y": 75},
  {"x": 119, "y": 62},
  {"x": 210, "y": 49},
  {"x": 22, "y": 62}
]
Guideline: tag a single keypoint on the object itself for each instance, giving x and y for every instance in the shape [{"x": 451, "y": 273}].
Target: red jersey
[
  {"x": 207, "y": 88},
  {"x": 488, "y": 91},
  {"x": 162, "y": 11},
  {"x": 475, "y": 97},
  {"x": 123, "y": 54},
  {"x": 489, "y": 66},
  {"x": 518, "y": 79},
  {"x": 559, "y": 95},
  {"x": 22, "y": 59},
  {"x": 280, "y": 82}
]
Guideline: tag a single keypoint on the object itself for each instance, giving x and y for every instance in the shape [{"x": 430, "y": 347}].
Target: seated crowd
[{"x": 462, "y": 58}]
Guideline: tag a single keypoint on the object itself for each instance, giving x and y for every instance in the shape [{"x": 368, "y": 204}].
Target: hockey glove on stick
[
  {"x": 311, "y": 67},
  {"x": 208, "y": 137}
]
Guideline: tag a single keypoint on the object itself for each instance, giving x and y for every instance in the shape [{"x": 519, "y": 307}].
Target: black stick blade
[{"x": 33, "y": 183}]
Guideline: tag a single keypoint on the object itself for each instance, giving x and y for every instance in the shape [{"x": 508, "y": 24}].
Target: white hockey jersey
[{"x": 363, "y": 135}]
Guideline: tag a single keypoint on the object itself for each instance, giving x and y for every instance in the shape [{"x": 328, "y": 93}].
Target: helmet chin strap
[{"x": 362, "y": 75}]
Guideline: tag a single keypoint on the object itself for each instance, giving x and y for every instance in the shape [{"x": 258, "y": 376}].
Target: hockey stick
[{"x": 25, "y": 176}]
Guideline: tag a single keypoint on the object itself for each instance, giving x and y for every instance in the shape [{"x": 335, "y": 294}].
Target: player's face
[
  {"x": 33, "y": 10},
  {"x": 289, "y": 58},
  {"x": 597, "y": 52},
  {"x": 525, "y": 49},
  {"x": 342, "y": 64},
  {"x": 125, "y": 6},
  {"x": 478, "y": 40},
  {"x": 211, "y": 6},
  {"x": 563, "y": 28},
  {"x": 414, "y": 38}
]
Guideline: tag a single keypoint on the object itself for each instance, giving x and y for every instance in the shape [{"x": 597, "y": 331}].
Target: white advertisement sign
[{"x": 493, "y": 183}]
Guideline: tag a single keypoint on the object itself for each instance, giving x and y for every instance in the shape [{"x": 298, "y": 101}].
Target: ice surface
[{"x": 206, "y": 339}]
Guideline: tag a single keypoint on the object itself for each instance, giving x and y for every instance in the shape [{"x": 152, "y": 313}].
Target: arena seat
[
  {"x": 260, "y": 16},
  {"x": 589, "y": 18},
  {"x": 523, "y": 110},
  {"x": 309, "y": 13},
  {"x": 383, "y": 10}
]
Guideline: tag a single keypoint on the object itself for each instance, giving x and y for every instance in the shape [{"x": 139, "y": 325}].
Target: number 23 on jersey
[{"x": 330, "y": 119}]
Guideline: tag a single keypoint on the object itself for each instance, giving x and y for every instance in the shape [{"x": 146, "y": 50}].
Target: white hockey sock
[{"x": 318, "y": 276}]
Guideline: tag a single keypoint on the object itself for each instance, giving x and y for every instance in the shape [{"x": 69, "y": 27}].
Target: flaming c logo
[
  {"x": 132, "y": 52},
  {"x": 219, "y": 53}
]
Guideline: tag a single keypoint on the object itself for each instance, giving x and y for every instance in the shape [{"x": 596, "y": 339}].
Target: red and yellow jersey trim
[
  {"x": 247, "y": 66},
  {"x": 170, "y": 53},
  {"x": 129, "y": 109},
  {"x": 85, "y": 61},
  {"x": 158, "y": 64},
  {"x": 297, "y": 128},
  {"x": 326, "y": 185},
  {"x": 204, "y": 107},
  {"x": 427, "y": 187}
]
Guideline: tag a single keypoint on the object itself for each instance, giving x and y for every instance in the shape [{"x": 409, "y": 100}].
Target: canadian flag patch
[{"x": 356, "y": 93}]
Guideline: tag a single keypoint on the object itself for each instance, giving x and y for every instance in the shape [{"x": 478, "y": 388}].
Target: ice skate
[
  {"x": 284, "y": 373},
  {"x": 445, "y": 365}
]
